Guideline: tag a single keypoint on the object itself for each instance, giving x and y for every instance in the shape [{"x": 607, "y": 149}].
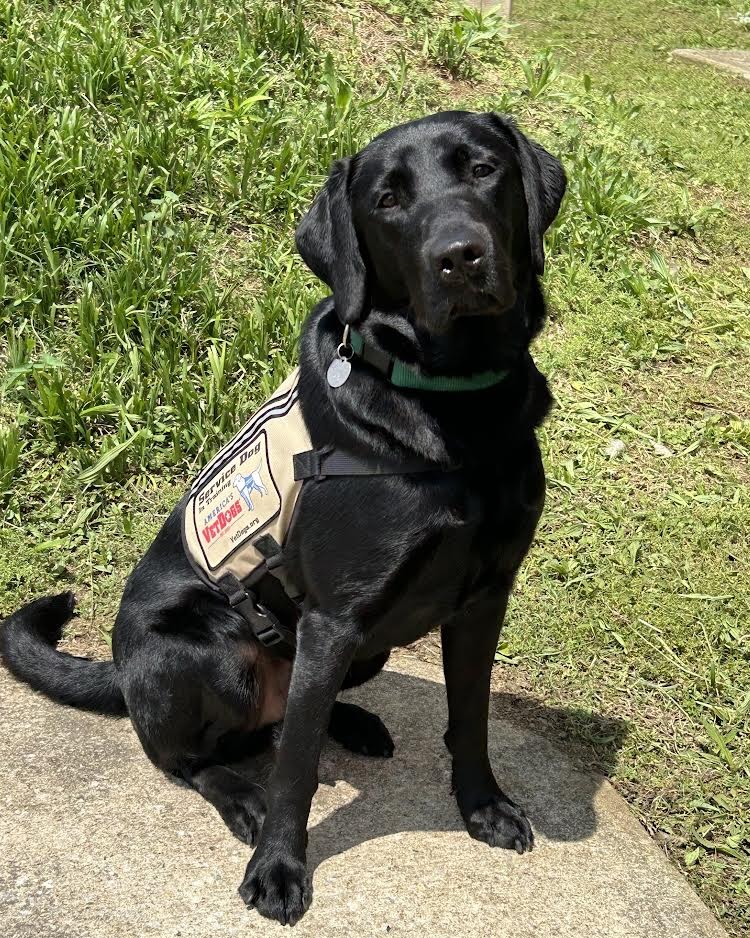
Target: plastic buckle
[{"x": 269, "y": 635}]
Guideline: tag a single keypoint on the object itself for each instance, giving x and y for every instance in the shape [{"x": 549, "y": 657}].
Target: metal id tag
[
  {"x": 341, "y": 367},
  {"x": 338, "y": 372}
]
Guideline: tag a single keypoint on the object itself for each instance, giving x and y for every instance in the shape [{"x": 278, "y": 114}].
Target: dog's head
[{"x": 444, "y": 215}]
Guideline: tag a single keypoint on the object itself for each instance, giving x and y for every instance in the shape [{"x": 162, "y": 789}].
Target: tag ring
[{"x": 344, "y": 350}]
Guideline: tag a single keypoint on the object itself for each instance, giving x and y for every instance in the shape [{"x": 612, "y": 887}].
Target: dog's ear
[
  {"x": 327, "y": 243},
  {"x": 544, "y": 185}
]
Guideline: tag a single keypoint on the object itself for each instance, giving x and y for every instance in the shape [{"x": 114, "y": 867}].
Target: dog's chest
[
  {"x": 401, "y": 557},
  {"x": 455, "y": 568}
]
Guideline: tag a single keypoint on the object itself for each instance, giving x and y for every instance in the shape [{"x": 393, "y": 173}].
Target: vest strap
[
  {"x": 328, "y": 461},
  {"x": 268, "y": 546},
  {"x": 312, "y": 464},
  {"x": 266, "y": 627}
]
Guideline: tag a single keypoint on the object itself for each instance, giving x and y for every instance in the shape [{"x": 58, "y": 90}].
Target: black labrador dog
[{"x": 431, "y": 239}]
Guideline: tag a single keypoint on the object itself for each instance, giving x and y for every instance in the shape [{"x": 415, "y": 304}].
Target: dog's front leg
[
  {"x": 469, "y": 643},
  {"x": 276, "y": 881}
]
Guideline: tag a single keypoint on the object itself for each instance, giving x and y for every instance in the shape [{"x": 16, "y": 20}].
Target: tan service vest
[{"x": 247, "y": 492}]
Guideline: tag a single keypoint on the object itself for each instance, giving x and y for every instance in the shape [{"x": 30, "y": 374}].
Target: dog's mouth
[
  {"x": 488, "y": 300},
  {"x": 438, "y": 313},
  {"x": 481, "y": 302},
  {"x": 491, "y": 294}
]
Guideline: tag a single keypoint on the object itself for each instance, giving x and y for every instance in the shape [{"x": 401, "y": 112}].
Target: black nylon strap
[
  {"x": 318, "y": 464},
  {"x": 265, "y": 625},
  {"x": 270, "y": 549}
]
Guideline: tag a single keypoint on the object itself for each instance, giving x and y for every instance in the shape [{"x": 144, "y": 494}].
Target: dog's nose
[{"x": 459, "y": 258}]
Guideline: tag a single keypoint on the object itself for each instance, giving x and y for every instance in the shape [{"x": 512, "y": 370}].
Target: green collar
[{"x": 409, "y": 376}]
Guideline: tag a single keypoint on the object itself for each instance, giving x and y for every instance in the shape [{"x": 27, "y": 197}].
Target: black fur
[
  {"x": 431, "y": 239},
  {"x": 27, "y": 644}
]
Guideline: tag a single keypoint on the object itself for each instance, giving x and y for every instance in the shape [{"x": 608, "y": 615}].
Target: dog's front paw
[
  {"x": 279, "y": 888},
  {"x": 500, "y": 823},
  {"x": 360, "y": 731}
]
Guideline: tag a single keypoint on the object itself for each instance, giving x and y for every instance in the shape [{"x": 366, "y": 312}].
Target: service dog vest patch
[{"x": 247, "y": 492}]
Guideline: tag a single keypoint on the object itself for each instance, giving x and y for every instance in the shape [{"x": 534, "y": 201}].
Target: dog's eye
[
  {"x": 388, "y": 200},
  {"x": 482, "y": 169}
]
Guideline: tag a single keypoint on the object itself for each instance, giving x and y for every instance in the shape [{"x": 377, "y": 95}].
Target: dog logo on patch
[{"x": 246, "y": 485}]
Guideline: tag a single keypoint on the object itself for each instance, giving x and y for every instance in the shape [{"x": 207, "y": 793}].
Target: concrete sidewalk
[
  {"x": 734, "y": 61},
  {"x": 95, "y": 843}
]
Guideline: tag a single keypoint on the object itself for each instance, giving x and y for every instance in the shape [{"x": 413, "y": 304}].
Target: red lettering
[{"x": 210, "y": 531}]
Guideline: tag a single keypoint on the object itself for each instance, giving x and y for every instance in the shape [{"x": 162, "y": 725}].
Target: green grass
[{"x": 154, "y": 156}]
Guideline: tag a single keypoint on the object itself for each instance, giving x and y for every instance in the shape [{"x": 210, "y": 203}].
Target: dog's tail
[{"x": 27, "y": 646}]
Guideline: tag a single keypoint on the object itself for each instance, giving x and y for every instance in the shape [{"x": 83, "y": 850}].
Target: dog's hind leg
[
  {"x": 354, "y": 727},
  {"x": 239, "y": 798},
  {"x": 361, "y": 671},
  {"x": 360, "y": 731},
  {"x": 235, "y": 780},
  {"x": 196, "y": 710}
]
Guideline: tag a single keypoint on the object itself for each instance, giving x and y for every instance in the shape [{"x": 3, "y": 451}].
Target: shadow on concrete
[
  {"x": 361, "y": 799},
  {"x": 411, "y": 792},
  {"x": 592, "y": 740}
]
